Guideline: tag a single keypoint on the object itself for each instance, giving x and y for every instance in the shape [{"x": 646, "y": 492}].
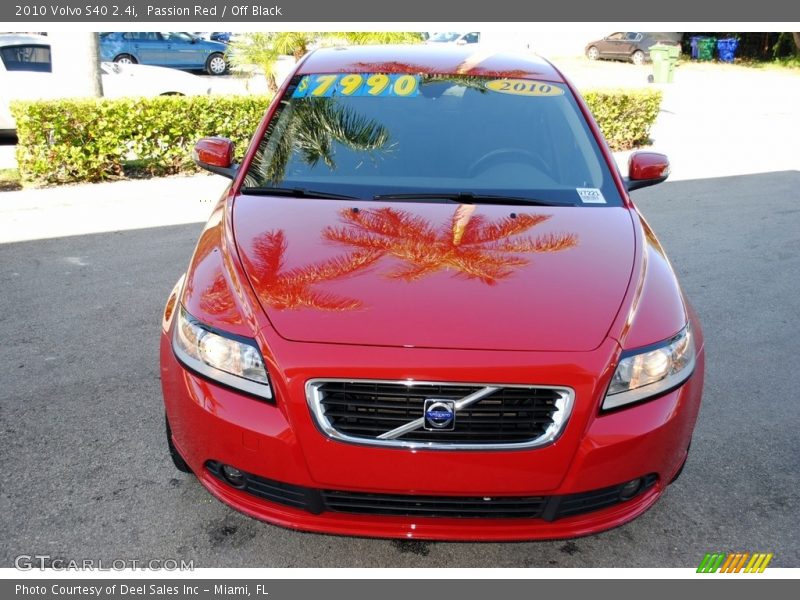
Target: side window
[
  {"x": 616, "y": 36},
  {"x": 472, "y": 38},
  {"x": 175, "y": 36},
  {"x": 631, "y": 36},
  {"x": 140, "y": 36},
  {"x": 27, "y": 58}
]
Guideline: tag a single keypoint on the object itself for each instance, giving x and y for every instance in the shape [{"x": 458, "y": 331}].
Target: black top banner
[{"x": 362, "y": 11}]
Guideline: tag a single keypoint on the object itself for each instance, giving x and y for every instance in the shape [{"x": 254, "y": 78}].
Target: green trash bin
[
  {"x": 705, "y": 48},
  {"x": 659, "y": 54},
  {"x": 674, "y": 55}
]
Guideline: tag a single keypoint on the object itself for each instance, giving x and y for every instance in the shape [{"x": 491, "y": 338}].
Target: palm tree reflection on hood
[
  {"x": 216, "y": 300},
  {"x": 292, "y": 289},
  {"x": 471, "y": 245},
  {"x": 310, "y": 132}
]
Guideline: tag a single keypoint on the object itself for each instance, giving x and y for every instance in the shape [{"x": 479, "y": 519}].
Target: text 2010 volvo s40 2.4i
[{"x": 426, "y": 307}]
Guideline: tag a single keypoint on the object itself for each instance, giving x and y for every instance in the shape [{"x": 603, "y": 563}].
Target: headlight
[
  {"x": 647, "y": 372},
  {"x": 230, "y": 359}
]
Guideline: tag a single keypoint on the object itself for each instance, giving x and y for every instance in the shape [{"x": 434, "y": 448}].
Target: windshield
[{"x": 374, "y": 135}]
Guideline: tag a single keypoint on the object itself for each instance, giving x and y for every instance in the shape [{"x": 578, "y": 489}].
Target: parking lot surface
[{"x": 84, "y": 471}]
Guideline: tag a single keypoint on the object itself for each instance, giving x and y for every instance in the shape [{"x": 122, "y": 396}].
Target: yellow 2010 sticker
[{"x": 524, "y": 87}]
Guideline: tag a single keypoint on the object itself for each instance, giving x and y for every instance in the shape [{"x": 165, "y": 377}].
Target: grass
[
  {"x": 791, "y": 63},
  {"x": 10, "y": 180}
]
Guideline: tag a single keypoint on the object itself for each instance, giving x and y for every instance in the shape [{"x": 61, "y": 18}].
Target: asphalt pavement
[{"x": 84, "y": 471}]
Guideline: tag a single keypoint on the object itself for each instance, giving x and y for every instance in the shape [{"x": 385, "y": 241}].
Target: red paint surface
[{"x": 420, "y": 288}]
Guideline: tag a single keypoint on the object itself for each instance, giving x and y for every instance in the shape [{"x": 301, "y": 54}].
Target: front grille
[
  {"x": 362, "y": 411},
  {"x": 547, "y": 508},
  {"x": 434, "y": 506}
]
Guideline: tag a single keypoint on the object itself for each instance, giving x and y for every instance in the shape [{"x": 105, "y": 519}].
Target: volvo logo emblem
[{"x": 440, "y": 415}]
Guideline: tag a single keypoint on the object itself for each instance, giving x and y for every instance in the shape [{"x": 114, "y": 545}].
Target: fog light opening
[
  {"x": 630, "y": 489},
  {"x": 234, "y": 476}
]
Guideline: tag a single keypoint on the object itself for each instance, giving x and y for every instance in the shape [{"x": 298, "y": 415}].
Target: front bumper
[{"x": 279, "y": 443}]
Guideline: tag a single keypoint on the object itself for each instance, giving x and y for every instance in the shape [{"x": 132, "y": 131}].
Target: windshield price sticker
[
  {"x": 357, "y": 84},
  {"x": 524, "y": 87},
  {"x": 591, "y": 196}
]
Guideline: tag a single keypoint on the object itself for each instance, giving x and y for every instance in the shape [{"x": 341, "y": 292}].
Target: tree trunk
[
  {"x": 76, "y": 63},
  {"x": 796, "y": 36},
  {"x": 272, "y": 84},
  {"x": 94, "y": 64}
]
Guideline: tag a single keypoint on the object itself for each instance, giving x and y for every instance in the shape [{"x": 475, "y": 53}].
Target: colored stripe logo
[{"x": 738, "y": 562}]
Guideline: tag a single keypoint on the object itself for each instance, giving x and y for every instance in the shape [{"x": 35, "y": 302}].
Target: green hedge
[
  {"x": 63, "y": 141},
  {"x": 625, "y": 117}
]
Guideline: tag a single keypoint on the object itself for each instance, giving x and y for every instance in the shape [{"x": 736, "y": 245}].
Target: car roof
[
  {"x": 470, "y": 59},
  {"x": 14, "y": 39}
]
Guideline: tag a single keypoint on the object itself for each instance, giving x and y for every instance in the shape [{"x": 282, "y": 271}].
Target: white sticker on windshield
[{"x": 591, "y": 196}]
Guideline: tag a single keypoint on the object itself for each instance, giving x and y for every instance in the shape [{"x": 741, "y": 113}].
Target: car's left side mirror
[
  {"x": 646, "y": 169},
  {"x": 215, "y": 154}
]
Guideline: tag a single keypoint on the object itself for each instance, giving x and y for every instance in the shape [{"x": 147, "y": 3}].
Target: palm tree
[
  {"x": 293, "y": 289},
  {"x": 216, "y": 300},
  {"x": 256, "y": 49},
  {"x": 470, "y": 245},
  {"x": 311, "y": 130},
  {"x": 263, "y": 49},
  {"x": 295, "y": 43},
  {"x": 366, "y": 38}
]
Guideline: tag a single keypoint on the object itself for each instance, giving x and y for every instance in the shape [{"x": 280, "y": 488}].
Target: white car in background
[
  {"x": 26, "y": 74},
  {"x": 121, "y": 80}
]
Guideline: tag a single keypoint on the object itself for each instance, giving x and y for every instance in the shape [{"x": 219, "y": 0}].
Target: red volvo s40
[{"x": 426, "y": 307}]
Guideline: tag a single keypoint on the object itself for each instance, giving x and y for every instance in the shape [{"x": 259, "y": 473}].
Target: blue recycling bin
[{"x": 726, "y": 48}]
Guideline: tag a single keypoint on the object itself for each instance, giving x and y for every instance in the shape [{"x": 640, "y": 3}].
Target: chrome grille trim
[{"x": 564, "y": 405}]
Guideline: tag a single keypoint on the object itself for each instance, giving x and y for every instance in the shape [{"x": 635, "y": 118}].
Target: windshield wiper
[
  {"x": 296, "y": 192},
  {"x": 470, "y": 198}
]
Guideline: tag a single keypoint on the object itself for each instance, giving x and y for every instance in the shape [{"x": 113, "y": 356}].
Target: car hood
[{"x": 436, "y": 275}]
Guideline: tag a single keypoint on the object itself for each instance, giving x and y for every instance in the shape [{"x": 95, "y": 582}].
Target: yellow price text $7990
[{"x": 357, "y": 84}]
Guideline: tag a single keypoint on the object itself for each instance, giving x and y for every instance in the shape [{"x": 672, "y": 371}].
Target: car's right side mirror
[
  {"x": 646, "y": 169},
  {"x": 215, "y": 154}
]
